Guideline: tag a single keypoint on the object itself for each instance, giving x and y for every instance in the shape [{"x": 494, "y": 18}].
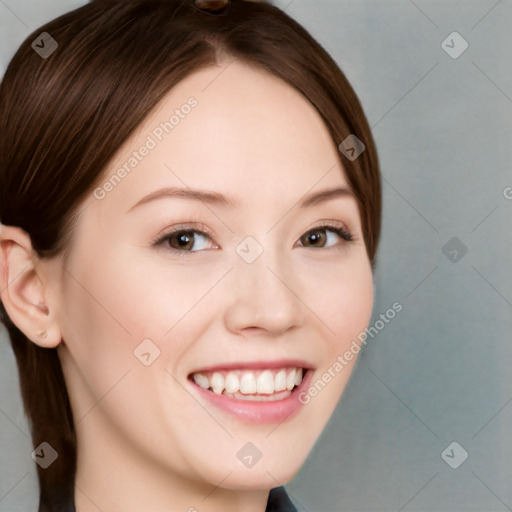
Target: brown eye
[
  {"x": 319, "y": 237},
  {"x": 316, "y": 237},
  {"x": 184, "y": 240}
]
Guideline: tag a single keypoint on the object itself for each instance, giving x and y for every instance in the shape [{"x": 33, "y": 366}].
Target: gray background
[{"x": 441, "y": 370}]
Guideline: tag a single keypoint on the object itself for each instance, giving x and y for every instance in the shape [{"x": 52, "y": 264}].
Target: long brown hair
[{"x": 63, "y": 117}]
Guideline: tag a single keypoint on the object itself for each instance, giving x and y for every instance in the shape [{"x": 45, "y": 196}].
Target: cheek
[
  {"x": 342, "y": 299},
  {"x": 95, "y": 328},
  {"x": 109, "y": 310},
  {"x": 126, "y": 310},
  {"x": 155, "y": 294},
  {"x": 355, "y": 303},
  {"x": 130, "y": 298},
  {"x": 341, "y": 296}
]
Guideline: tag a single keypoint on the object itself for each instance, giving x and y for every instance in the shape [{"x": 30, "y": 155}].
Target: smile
[
  {"x": 267, "y": 384},
  {"x": 259, "y": 394}
]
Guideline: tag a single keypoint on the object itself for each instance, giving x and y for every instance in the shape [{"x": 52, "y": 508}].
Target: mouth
[
  {"x": 261, "y": 384},
  {"x": 261, "y": 393}
]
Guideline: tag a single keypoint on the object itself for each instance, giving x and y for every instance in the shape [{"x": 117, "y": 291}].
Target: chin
[{"x": 260, "y": 476}]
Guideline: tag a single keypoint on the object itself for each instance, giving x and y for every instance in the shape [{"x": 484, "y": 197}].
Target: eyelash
[{"x": 344, "y": 234}]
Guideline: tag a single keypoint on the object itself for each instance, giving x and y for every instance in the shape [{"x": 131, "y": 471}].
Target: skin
[{"x": 144, "y": 443}]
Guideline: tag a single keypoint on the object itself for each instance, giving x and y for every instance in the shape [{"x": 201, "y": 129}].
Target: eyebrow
[{"x": 215, "y": 198}]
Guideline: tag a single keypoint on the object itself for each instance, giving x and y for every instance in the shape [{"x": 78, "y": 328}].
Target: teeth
[
  {"x": 202, "y": 380},
  {"x": 232, "y": 383},
  {"x": 217, "y": 383},
  {"x": 298, "y": 376},
  {"x": 290, "y": 380},
  {"x": 280, "y": 381},
  {"x": 247, "y": 382},
  {"x": 265, "y": 383}
]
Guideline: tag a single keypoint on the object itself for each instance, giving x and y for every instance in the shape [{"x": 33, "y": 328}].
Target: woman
[{"x": 190, "y": 206}]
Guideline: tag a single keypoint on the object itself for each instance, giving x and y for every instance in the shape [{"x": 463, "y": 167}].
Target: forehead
[{"x": 233, "y": 128}]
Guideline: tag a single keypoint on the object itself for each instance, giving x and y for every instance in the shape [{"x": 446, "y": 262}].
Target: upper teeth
[{"x": 250, "y": 382}]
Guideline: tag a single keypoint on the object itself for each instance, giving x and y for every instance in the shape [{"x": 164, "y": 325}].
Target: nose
[{"x": 263, "y": 295}]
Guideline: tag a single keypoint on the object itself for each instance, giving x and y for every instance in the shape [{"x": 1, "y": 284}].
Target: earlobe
[{"x": 22, "y": 287}]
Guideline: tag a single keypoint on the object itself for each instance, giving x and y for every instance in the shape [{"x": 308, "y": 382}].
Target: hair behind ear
[{"x": 50, "y": 420}]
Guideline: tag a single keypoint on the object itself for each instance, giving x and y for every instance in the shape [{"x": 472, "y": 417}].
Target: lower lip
[{"x": 259, "y": 412}]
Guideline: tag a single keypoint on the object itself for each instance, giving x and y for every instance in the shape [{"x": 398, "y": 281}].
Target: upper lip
[{"x": 255, "y": 365}]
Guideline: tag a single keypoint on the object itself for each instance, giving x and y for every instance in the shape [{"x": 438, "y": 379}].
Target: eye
[
  {"x": 324, "y": 236},
  {"x": 183, "y": 240}
]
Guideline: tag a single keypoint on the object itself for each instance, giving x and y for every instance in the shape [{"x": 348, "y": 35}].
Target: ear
[{"x": 23, "y": 288}]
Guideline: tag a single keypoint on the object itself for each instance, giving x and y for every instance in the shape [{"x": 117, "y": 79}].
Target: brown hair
[{"x": 63, "y": 118}]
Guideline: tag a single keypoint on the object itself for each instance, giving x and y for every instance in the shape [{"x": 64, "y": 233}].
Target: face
[{"x": 253, "y": 278}]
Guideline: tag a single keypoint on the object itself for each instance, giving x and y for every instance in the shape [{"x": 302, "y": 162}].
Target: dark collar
[{"x": 278, "y": 501}]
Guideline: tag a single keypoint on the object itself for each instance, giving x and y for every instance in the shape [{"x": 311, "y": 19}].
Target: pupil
[
  {"x": 315, "y": 237},
  {"x": 184, "y": 239}
]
